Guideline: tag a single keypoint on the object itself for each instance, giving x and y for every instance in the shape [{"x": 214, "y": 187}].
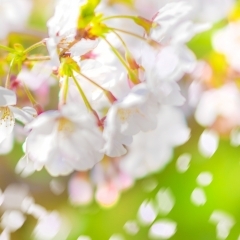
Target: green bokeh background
[{"x": 192, "y": 221}]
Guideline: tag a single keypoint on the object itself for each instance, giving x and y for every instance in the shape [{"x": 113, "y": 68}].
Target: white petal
[
  {"x": 115, "y": 141},
  {"x": 147, "y": 213},
  {"x": 222, "y": 216},
  {"x": 48, "y": 226},
  {"x": 156, "y": 146},
  {"x": 25, "y": 167},
  {"x": 7, "y": 121},
  {"x": 5, "y": 235},
  {"x": 41, "y": 142},
  {"x": 224, "y": 222},
  {"x": 57, "y": 165},
  {"x": 183, "y": 162},
  {"x": 83, "y": 47},
  {"x": 235, "y": 137},
  {"x": 30, "y": 110},
  {"x": 80, "y": 190},
  {"x": 165, "y": 200},
  {"x": 204, "y": 178},
  {"x": 163, "y": 229},
  {"x": 7, "y": 144},
  {"x": 80, "y": 154},
  {"x": 116, "y": 237},
  {"x": 198, "y": 197},
  {"x": 107, "y": 194},
  {"x": 131, "y": 227},
  {"x": 208, "y": 143},
  {"x": 37, "y": 211},
  {"x": 52, "y": 49},
  {"x": 7, "y": 97},
  {"x": 43, "y": 119},
  {"x": 21, "y": 115},
  {"x": 14, "y": 196},
  {"x": 168, "y": 93},
  {"x": 83, "y": 146},
  {"x": 56, "y": 186},
  {"x": 12, "y": 220}
]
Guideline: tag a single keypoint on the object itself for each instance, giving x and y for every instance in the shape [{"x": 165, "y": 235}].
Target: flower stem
[
  {"x": 7, "y": 83},
  {"x": 8, "y": 49},
  {"x": 117, "y": 54},
  {"x": 119, "y": 16},
  {"x": 29, "y": 95},
  {"x": 65, "y": 89},
  {"x": 149, "y": 41},
  {"x": 88, "y": 105},
  {"x": 129, "y": 70},
  {"x": 40, "y": 58},
  {"x": 129, "y": 33},
  {"x": 36, "y": 45},
  {"x": 108, "y": 94},
  {"x": 120, "y": 39},
  {"x": 68, "y": 47}
]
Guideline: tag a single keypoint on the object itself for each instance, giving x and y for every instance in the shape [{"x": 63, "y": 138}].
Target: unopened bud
[
  {"x": 131, "y": 61},
  {"x": 55, "y": 71},
  {"x": 38, "y": 108}
]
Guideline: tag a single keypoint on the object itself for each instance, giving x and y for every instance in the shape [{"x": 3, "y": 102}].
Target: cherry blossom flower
[
  {"x": 174, "y": 63},
  {"x": 156, "y": 146},
  {"x": 80, "y": 190},
  {"x": 219, "y": 104},
  {"x": 64, "y": 140},
  {"x": 134, "y": 113},
  {"x": 226, "y": 41},
  {"x": 62, "y": 29},
  {"x": 201, "y": 9},
  {"x": 110, "y": 181},
  {"x": 8, "y": 113},
  {"x": 174, "y": 24},
  {"x": 106, "y": 180}
]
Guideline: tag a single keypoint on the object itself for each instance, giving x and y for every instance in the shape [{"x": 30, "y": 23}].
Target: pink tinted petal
[
  {"x": 107, "y": 194},
  {"x": 80, "y": 190}
]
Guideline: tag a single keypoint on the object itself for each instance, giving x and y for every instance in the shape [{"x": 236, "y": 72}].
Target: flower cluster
[
  {"x": 17, "y": 205},
  {"x": 109, "y": 91}
]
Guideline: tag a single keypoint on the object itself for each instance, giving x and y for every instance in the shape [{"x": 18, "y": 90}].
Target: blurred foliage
[{"x": 192, "y": 221}]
